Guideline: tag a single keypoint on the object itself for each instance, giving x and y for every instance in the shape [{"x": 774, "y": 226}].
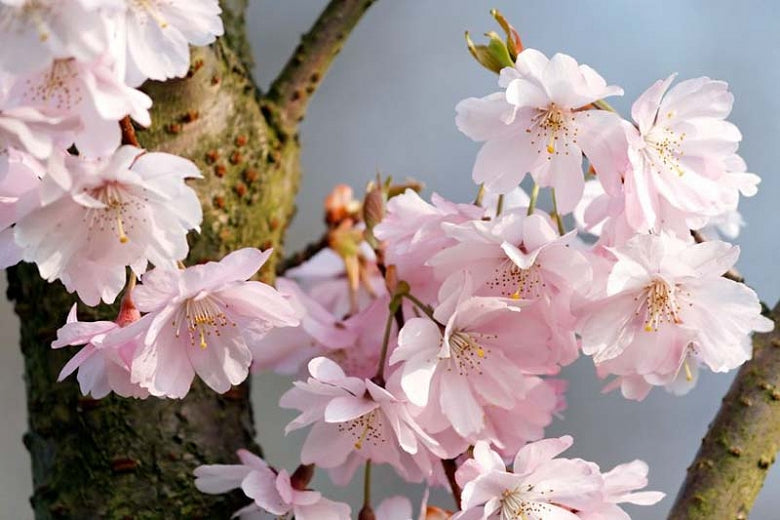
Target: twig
[
  {"x": 742, "y": 442},
  {"x": 294, "y": 86},
  {"x": 450, "y": 467}
]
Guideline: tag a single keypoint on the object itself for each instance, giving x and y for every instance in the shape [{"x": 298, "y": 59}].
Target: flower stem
[
  {"x": 367, "y": 485},
  {"x": 420, "y": 305},
  {"x": 557, "y": 216},
  {"x": 534, "y": 197}
]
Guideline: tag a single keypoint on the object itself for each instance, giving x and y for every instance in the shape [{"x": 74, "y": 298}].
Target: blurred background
[{"x": 388, "y": 105}]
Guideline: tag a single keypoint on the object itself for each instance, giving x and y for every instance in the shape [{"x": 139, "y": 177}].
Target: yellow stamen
[
  {"x": 551, "y": 143},
  {"x": 480, "y": 352},
  {"x": 203, "y": 343},
  {"x": 359, "y": 442},
  {"x": 687, "y": 368},
  {"x": 123, "y": 239}
]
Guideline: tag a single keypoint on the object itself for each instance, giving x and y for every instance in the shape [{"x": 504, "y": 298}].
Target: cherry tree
[{"x": 146, "y": 184}]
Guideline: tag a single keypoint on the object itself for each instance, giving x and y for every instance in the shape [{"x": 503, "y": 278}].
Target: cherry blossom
[
  {"x": 355, "y": 420},
  {"x": 272, "y": 491},
  {"x": 202, "y": 320},
  {"x": 664, "y": 306},
  {"x": 285, "y": 350},
  {"x": 463, "y": 359},
  {"x": 683, "y": 155},
  {"x": 99, "y": 216},
  {"x": 19, "y": 186},
  {"x": 541, "y": 485},
  {"x": 88, "y": 92},
  {"x": 158, "y": 34},
  {"x": 104, "y": 363},
  {"x": 538, "y": 126},
  {"x": 412, "y": 232},
  {"x": 49, "y": 30},
  {"x": 26, "y": 128},
  {"x": 620, "y": 485}
]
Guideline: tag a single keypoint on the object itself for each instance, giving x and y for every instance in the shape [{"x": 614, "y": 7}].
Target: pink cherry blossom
[
  {"x": 535, "y": 126},
  {"x": 620, "y": 485},
  {"x": 104, "y": 362},
  {"x": 541, "y": 486},
  {"x": 19, "y": 186},
  {"x": 202, "y": 320},
  {"x": 48, "y": 30},
  {"x": 285, "y": 350},
  {"x": 98, "y": 216},
  {"x": 156, "y": 35},
  {"x": 522, "y": 257},
  {"x": 25, "y": 128},
  {"x": 683, "y": 155},
  {"x": 664, "y": 306},
  {"x": 324, "y": 278},
  {"x": 271, "y": 491},
  {"x": 412, "y": 234},
  {"x": 89, "y": 92},
  {"x": 462, "y": 361},
  {"x": 355, "y": 420}
]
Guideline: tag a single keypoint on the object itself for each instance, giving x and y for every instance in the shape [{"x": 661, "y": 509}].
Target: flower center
[
  {"x": 662, "y": 306},
  {"x": 203, "y": 317},
  {"x": 57, "y": 88},
  {"x": 366, "y": 428},
  {"x": 117, "y": 211},
  {"x": 467, "y": 352},
  {"x": 551, "y": 129},
  {"x": 150, "y": 8},
  {"x": 513, "y": 282},
  {"x": 665, "y": 149},
  {"x": 513, "y": 507},
  {"x": 31, "y": 11}
]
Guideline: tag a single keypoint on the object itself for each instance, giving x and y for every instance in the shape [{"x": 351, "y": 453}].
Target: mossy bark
[
  {"x": 742, "y": 442},
  {"x": 133, "y": 459}
]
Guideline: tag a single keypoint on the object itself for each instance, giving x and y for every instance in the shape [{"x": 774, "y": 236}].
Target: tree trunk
[{"x": 120, "y": 458}]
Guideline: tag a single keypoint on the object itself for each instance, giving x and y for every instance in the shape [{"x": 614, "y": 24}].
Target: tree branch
[
  {"x": 742, "y": 442},
  {"x": 294, "y": 86}
]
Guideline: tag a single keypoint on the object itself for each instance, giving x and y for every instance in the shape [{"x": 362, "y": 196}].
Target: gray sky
[{"x": 388, "y": 105}]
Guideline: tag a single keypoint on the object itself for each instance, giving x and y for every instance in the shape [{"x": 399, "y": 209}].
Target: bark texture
[
  {"x": 130, "y": 459},
  {"x": 742, "y": 442}
]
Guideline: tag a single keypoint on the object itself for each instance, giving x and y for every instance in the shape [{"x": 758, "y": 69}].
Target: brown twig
[
  {"x": 742, "y": 442},
  {"x": 294, "y": 86},
  {"x": 450, "y": 467}
]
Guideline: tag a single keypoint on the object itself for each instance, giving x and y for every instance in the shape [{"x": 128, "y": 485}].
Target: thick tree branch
[
  {"x": 294, "y": 86},
  {"x": 741, "y": 443}
]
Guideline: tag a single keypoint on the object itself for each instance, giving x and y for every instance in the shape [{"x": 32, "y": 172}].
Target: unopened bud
[
  {"x": 373, "y": 213},
  {"x": 490, "y": 56},
  {"x": 513, "y": 42},
  {"x": 499, "y": 52},
  {"x": 340, "y": 205}
]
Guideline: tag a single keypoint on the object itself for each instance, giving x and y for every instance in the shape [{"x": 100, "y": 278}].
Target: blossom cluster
[
  {"x": 84, "y": 207},
  {"x": 484, "y": 303},
  {"x": 429, "y": 336},
  {"x": 74, "y": 200}
]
